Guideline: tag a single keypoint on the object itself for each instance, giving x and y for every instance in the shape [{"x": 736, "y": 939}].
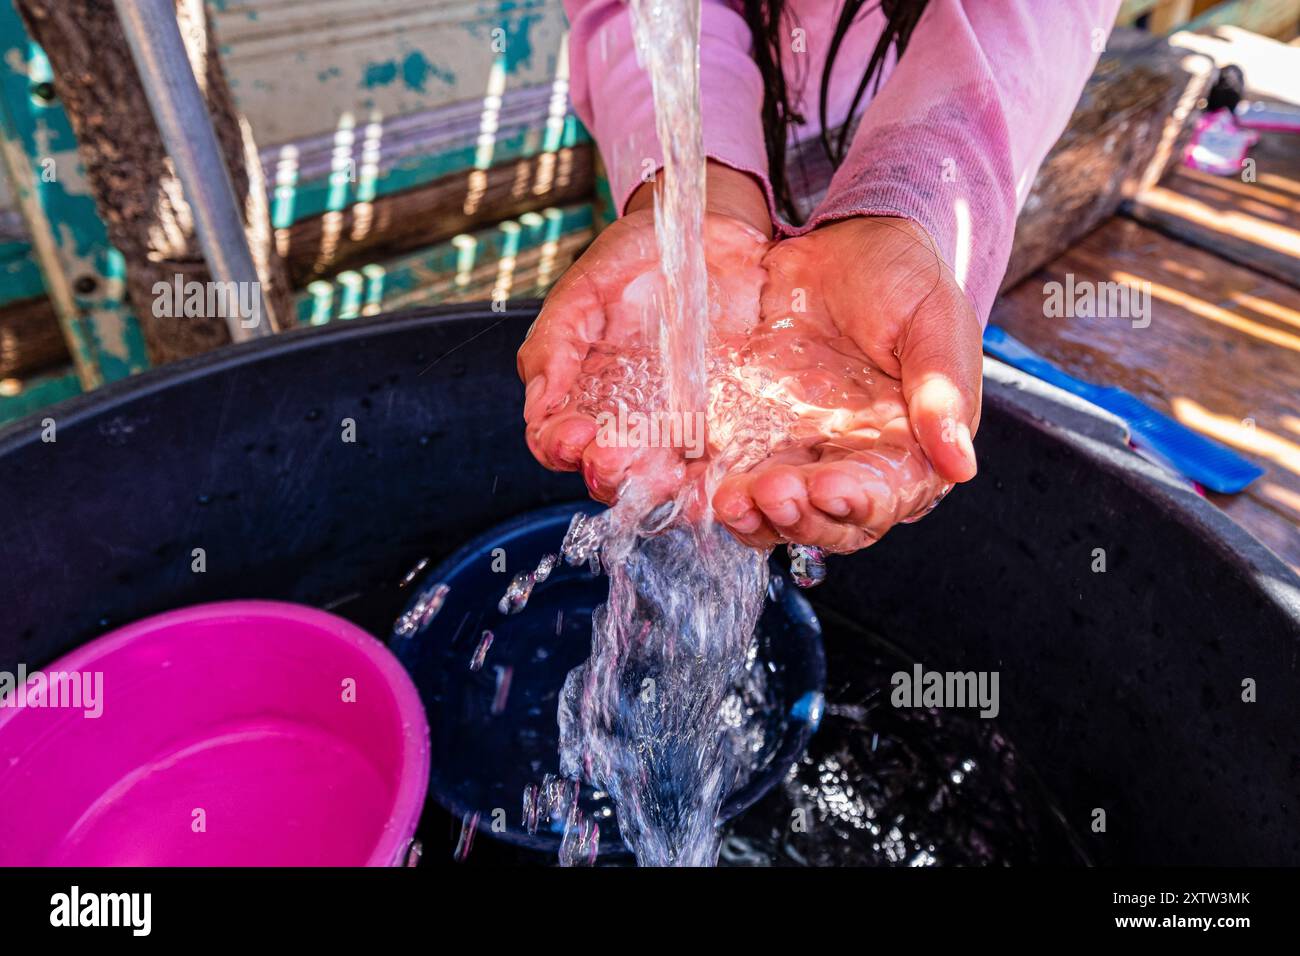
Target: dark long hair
[{"x": 771, "y": 26}]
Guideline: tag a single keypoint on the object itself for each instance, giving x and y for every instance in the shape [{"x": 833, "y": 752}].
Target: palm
[
  {"x": 605, "y": 309},
  {"x": 848, "y": 314}
]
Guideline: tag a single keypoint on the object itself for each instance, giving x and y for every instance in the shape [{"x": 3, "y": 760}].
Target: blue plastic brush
[{"x": 1156, "y": 435}]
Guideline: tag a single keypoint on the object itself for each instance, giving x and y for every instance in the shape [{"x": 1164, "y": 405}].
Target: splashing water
[
  {"x": 643, "y": 719},
  {"x": 424, "y": 610},
  {"x": 647, "y": 718},
  {"x": 807, "y": 565},
  {"x": 521, "y": 586}
]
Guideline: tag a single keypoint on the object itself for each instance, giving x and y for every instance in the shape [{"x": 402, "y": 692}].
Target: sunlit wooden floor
[{"x": 1222, "y": 351}]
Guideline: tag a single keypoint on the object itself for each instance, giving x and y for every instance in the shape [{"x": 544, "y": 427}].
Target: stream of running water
[{"x": 642, "y": 719}]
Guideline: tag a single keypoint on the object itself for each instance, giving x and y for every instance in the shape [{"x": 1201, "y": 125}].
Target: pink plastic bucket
[{"x": 245, "y": 733}]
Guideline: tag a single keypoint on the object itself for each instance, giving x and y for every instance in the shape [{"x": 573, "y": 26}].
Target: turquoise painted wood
[
  {"x": 447, "y": 271},
  {"x": 83, "y": 274},
  {"x": 36, "y": 394},
  {"x": 350, "y": 101},
  {"x": 295, "y": 197},
  {"x": 298, "y": 68},
  {"x": 20, "y": 276}
]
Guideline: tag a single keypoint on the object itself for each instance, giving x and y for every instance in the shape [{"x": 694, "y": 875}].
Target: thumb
[{"x": 942, "y": 373}]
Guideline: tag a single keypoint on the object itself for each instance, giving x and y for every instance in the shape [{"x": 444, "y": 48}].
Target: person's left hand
[{"x": 873, "y": 287}]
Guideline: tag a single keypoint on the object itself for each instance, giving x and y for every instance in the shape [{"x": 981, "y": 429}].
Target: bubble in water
[
  {"x": 582, "y": 540},
  {"x": 580, "y": 844},
  {"x": 807, "y": 565},
  {"x": 660, "y": 518},
  {"x": 809, "y": 708}
]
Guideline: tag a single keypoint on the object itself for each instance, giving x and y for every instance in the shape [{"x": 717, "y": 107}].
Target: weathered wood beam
[
  {"x": 419, "y": 217},
  {"x": 30, "y": 338},
  {"x": 136, "y": 190},
  {"x": 1130, "y": 125}
]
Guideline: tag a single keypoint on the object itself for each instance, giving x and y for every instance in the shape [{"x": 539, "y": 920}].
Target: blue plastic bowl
[{"x": 481, "y": 761}]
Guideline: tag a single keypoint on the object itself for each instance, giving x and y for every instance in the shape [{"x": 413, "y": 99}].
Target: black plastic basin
[{"x": 1123, "y": 689}]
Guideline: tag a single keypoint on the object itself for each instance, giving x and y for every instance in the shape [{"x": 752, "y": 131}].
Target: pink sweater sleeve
[
  {"x": 957, "y": 132},
  {"x": 611, "y": 93},
  {"x": 953, "y": 140}
]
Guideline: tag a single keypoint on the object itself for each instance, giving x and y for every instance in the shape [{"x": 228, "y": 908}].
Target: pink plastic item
[
  {"x": 244, "y": 733},
  {"x": 1219, "y": 145}
]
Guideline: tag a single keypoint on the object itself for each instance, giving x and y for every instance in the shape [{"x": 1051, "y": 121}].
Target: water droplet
[
  {"x": 532, "y": 805},
  {"x": 480, "y": 652},
  {"x": 503, "y": 690},
  {"x": 545, "y": 567},
  {"x": 517, "y": 593},
  {"x": 412, "y": 574},
  {"x": 424, "y": 610},
  {"x": 808, "y": 708},
  {"x": 465, "y": 842}
]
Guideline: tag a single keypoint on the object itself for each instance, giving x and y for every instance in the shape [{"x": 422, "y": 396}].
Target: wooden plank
[
  {"x": 362, "y": 161},
  {"x": 1221, "y": 354},
  {"x": 531, "y": 276},
  {"x": 1131, "y": 123},
  {"x": 1269, "y": 66},
  {"x": 20, "y": 397},
  {"x": 296, "y": 67},
  {"x": 1252, "y": 219},
  {"x": 461, "y": 202},
  {"x": 30, "y": 339},
  {"x": 1255, "y": 224},
  {"x": 1274, "y": 18},
  {"x": 83, "y": 273},
  {"x": 1169, "y": 15},
  {"x": 1131, "y": 10},
  {"x": 20, "y": 276},
  {"x": 130, "y": 177},
  {"x": 459, "y": 265}
]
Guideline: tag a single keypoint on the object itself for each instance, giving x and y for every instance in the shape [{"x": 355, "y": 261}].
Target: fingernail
[
  {"x": 966, "y": 445},
  {"x": 836, "y": 506},
  {"x": 569, "y": 454},
  {"x": 533, "y": 394},
  {"x": 747, "y": 523},
  {"x": 784, "y": 514}
]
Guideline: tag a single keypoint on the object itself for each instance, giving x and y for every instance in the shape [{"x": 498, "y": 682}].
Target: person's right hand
[{"x": 596, "y": 309}]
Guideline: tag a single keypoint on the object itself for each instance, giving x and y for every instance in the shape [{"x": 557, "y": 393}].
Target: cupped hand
[
  {"x": 597, "y": 328},
  {"x": 879, "y": 442}
]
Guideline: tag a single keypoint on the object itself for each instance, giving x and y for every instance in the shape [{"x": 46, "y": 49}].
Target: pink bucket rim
[{"x": 408, "y": 802}]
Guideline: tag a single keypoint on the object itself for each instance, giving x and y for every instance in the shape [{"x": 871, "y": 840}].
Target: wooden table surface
[{"x": 1222, "y": 350}]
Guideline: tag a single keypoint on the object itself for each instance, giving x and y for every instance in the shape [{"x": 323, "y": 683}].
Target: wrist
[{"x": 727, "y": 191}]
